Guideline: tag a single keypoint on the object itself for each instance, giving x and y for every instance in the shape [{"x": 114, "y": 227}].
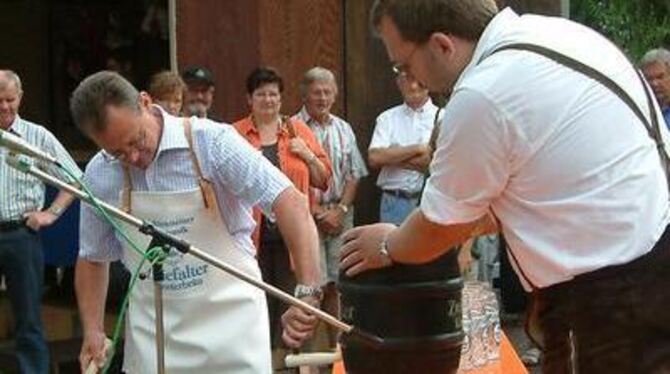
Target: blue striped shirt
[
  {"x": 19, "y": 192},
  {"x": 241, "y": 176}
]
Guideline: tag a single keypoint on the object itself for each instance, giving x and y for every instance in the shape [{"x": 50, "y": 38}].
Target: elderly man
[
  {"x": 199, "y": 180},
  {"x": 334, "y": 213},
  {"x": 655, "y": 65},
  {"x": 571, "y": 167},
  {"x": 199, "y": 93},
  {"x": 399, "y": 147},
  {"x": 21, "y": 216}
]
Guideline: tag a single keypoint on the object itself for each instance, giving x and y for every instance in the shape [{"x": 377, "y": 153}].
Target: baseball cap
[{"x": 198, "y": 74}]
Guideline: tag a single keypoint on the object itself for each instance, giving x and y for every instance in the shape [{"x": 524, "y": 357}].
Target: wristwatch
[
  {"x": 384, "y": 251},
  {"x": 303, "y": 290},
  {"x": 55, "y": 210}
]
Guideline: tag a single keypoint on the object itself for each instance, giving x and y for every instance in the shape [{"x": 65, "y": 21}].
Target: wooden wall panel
[
  {"x": 296, "y": 35},
  {"x": 370, "y": 89},
  {"x": 223, "y": 36},
  {"x": 234, "y": 37}
]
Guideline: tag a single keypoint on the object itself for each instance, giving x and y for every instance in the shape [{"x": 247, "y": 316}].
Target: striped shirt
[
  {"x": 339, "y": 141},
  {"x": 20, "y": 192},
  {"x": 241, "y": 177}
]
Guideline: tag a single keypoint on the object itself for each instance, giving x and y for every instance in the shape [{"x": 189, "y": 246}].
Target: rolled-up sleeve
[
  {"x": 244, "y": 171},
  {"x": 380, "y": 136},
  {"x": 356, "y": 167},
  {"x": 470, "y": 166},
  {"x": 97, "y": 241}
]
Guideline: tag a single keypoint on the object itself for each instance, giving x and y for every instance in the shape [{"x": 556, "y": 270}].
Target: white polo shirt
[
  {"x": 564, "y": 164},
  {"x": 402, "y": 126}
]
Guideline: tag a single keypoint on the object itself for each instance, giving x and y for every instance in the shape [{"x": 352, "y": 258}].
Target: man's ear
[
  {"x": 441, "y": 43},
  {"x": 145, "y": 100}
]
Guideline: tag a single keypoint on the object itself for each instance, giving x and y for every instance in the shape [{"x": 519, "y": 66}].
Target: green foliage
[{"x": 636, "y": 26}]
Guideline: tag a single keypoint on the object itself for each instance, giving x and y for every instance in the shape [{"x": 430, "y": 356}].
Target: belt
[
  {"x": 8, "y": 226},
  {"x": 403, "y": 194}
]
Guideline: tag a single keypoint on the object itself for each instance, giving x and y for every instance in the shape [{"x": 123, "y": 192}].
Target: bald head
[{"x": 9, "y": 77}]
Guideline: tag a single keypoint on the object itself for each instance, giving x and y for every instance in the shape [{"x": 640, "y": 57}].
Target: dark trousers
[
  {"x": 275, "y": 264},
  {"x": 614, "y": 320},
  {"x": 21, "y": 260}
]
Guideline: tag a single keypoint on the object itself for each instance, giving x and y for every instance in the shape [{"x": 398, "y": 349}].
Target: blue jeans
[
  {"x": 22, "y": 263},
  {"x": 394, "y": 209}
]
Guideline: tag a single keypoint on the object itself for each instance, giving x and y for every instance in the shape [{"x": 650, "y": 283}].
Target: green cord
[
  {"x": 154, "y": 255},
  {"x": 158, "y": 255}
]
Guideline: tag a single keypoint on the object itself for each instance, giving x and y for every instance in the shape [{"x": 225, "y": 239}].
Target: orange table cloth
[{"x": 509, "y": 363}]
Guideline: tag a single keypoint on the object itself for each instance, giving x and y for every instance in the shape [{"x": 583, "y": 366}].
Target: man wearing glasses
[
  {"x": 197, "y": 180},
  {"x": 21, "y": 216},
  {"x": 399, "y": 147},
  {"x": 570, "y": 160}
]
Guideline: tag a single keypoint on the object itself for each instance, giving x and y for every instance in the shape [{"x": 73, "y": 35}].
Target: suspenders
[{"x": 653, "y": 128}]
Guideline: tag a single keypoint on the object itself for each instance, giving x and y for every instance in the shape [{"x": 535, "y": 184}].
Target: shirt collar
[
  {"x": 420, "y": 109},
  {"x": 247, "y": 126},
  {"x": 308, "y": 119},
  {"x": 16, "y": 126},
  {"x": 172, "y": 136},
  {"x": 492, "y": 37}
]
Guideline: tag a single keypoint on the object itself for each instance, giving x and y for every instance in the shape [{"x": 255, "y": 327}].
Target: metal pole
[
  {"x": 272, "y": 290},
  {"x": 158, "y": 309},
  {"x": 172, "y": 34}
]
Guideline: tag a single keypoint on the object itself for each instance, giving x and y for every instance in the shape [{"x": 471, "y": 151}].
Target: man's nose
[{"x": 133, "y": 157}]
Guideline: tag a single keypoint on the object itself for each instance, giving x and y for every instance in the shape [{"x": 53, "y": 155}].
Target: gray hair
[
  {"x": 315, "y": 74},
  {"x": 12, "y": 76},
  {"x": 660, "y": 55},
  {"x": 90, "y": 100}
]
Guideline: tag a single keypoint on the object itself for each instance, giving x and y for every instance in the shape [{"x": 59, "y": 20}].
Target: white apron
[{"x": 214, "y": 323}]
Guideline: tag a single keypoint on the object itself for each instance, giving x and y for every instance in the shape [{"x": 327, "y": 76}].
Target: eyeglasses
[
  {"x": 402, "y": 68},
  {"x": 135, "y": 145}
]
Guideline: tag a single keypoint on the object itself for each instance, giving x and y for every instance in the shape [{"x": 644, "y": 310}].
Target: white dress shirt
[
  {"x": 402, "y": 126},
  {"x": 241, "y": 176},
  {"x": 563, "y": 163}
]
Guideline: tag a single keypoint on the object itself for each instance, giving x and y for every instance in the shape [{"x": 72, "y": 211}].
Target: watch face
[{"x": 302, "y": 290}]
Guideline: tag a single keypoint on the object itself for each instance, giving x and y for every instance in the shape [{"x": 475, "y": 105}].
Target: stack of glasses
[{"x": 481, "y": 324}]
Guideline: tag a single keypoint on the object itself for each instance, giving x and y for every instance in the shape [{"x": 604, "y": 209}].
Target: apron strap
[
  {"x": 206, "y": 188},
  {"x": 127, "y": 188}
]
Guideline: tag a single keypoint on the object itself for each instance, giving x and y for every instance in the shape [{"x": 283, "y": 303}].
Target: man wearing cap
[{"x": 199, "y": 94}]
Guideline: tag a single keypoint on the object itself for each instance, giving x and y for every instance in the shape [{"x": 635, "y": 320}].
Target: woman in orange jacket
[{"x": 291, "y": 146}]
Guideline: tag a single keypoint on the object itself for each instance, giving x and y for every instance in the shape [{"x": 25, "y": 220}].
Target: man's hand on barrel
[
  {"x": 298, "y": 324},
  {"x": 365, "y": 248}
]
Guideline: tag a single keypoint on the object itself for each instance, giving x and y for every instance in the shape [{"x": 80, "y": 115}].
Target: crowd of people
[{"x": 558, "y": 146}]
